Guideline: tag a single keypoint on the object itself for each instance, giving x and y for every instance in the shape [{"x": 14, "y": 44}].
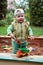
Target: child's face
[{"x": 19, "y": 18}]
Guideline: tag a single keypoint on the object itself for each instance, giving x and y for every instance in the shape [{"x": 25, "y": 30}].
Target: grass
[
  {"x": 38, "y": 31},
  {"x": 3, "y": 30}
]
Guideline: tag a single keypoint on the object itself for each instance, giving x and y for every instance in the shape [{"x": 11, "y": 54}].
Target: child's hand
[
  {"x": 17, "y": 41},
  {"x": 32, "y": 37},
  {"x": 12, "y": 35}
]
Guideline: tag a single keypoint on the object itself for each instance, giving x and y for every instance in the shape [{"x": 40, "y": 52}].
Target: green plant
[
  {"x": 27, "y": 16},
  {"x": 36, "y": 12},
  {"x": 9, "y": 18},
  {"x": 3, "y": 8},
  {"x": 2, "y": 22}
]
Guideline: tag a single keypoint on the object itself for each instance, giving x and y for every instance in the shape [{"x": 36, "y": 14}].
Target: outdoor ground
[
  {"x": 38, "y": 50},
  {"x": 38, "y": 31}
]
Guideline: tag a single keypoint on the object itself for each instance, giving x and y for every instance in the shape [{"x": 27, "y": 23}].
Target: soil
[{"x": 38, "y": 49}]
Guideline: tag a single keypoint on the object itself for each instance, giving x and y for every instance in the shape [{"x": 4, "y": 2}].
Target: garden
[{"x": 33, "y": 14}]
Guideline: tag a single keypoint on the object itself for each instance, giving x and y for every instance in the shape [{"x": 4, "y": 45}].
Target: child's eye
[
  {"x": 18, "y": 16},
  {"x": 21, "y": 15}
]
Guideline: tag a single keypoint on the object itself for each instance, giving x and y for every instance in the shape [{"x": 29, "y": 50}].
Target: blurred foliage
[
  {"x": 9, "y": 17},
  {"x": 27, "y": 15},
  {"x": 3, "y": 8},
  {"x": 3, "y": 22},
  {"x": 36, "y": 12}
]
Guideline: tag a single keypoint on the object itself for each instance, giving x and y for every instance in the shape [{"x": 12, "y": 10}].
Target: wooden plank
[
  {"x": 11, "y": 59},
  {"x": 36, "y": 41}
]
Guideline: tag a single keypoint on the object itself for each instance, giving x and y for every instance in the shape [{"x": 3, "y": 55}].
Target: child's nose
[{"x": 21, "y": 18}]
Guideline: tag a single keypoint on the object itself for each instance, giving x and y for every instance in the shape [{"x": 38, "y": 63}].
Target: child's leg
[
  {"x": 23, "y": 45},
  {"x": 15, "y": 46}
]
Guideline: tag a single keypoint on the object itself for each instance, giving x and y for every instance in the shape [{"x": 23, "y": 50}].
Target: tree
[
  {"x": 3, "y": 8},
  {"x": 22, "y": 4},
  {"x": 36, "y": 12}
]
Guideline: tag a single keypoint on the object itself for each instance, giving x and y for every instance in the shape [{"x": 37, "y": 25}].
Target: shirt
[{"x": 20, "y": 30}]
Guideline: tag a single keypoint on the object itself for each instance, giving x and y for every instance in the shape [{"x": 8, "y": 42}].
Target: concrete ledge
[
  {"x": 29, "y": 60},
  {"x": 36, "y": 40}
]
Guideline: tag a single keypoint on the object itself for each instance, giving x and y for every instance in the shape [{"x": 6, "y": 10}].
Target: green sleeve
[
  {"x": 30, "y": 31},
  {"x": 9, "y": 30}
]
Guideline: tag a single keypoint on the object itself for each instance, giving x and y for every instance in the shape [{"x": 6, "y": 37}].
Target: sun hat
[{"x": 18, "y": 11}]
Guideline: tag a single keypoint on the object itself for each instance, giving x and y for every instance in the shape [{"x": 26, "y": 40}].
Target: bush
[
  {"x": 9, "y": 18},
  {"x": 2, "y": 22},
  {"x": 3, "y": 9},
  {"x": 27, "y": 16},
  {"x": 36, "y": 12}
]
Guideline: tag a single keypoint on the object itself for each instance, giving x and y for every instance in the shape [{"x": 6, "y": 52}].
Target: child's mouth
[{"x": 20, "y": 21}]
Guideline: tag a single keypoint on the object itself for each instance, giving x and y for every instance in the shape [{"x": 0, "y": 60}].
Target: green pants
[{"x": 15, "y": 46}]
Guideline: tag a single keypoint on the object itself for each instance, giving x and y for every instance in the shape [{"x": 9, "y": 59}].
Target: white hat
[{"x": 18, "y": 11}]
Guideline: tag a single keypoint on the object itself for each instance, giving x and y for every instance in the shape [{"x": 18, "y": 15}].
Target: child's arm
[
  {"x": 9, "y": 31},
  {"x": 30, "y": 32}
]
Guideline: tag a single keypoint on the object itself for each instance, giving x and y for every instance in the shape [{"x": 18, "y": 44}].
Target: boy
[{"x": 19, "y": 31}]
